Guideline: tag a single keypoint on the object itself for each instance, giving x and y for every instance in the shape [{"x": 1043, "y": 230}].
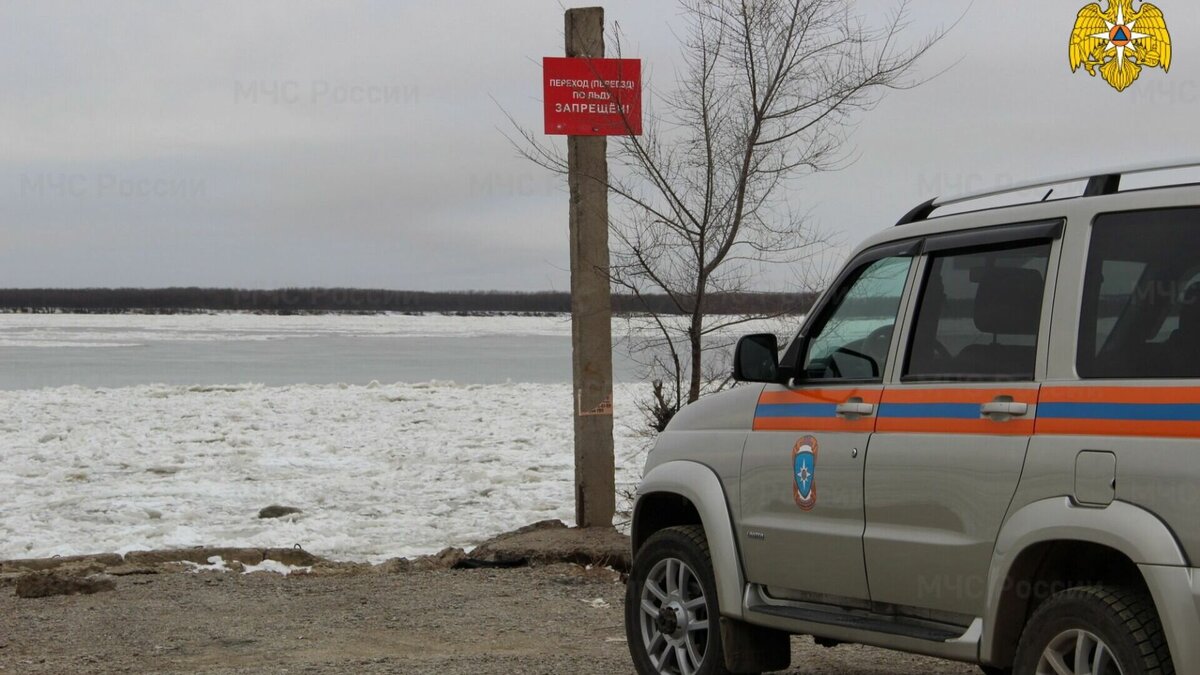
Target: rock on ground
[
  {"x": 277, "y": 511},
  {"x": 46, "y": 584},
  {"x": 550, "y": 541},
  {"x": 542, "y": 543}
]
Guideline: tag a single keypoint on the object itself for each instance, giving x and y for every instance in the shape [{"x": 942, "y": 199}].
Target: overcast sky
[{"x": 266, "y": 144}]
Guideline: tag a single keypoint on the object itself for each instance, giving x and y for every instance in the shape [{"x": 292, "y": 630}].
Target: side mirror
[{"x": 756, "y": 359}]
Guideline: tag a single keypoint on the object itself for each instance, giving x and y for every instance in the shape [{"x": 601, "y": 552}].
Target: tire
[
  {"x": 685, "y": 639},
  {"x": 1119, "y": 621},
  {"x": 992, "y": 670}
]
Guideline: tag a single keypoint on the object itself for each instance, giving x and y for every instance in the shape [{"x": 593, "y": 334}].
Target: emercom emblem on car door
[{"x": 804, "y": 473}]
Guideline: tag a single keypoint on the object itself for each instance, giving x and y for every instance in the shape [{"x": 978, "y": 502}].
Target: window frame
[
  {"x": 995, "y": 237},
  {"x": 792, "y": 364}
]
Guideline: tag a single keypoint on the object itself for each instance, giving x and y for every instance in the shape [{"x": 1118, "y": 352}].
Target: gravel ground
[{"x": 551, "y": 619}]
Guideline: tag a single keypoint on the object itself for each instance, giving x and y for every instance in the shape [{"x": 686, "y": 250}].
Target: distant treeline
[{"x": 358, "y": 300}]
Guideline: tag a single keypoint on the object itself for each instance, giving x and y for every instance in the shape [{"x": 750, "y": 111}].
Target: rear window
[{"x": 1141, "y": 297}]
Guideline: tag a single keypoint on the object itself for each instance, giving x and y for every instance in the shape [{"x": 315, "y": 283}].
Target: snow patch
[
  {"x": 276, "y": 567},
  {"x": 217, "y": 564}
]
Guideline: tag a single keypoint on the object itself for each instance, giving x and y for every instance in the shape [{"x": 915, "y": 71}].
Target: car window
[
  {"x": 852, "y": 342},
  {"x": 1140, "y": 315},
  {"x": 978, "y": 315}
]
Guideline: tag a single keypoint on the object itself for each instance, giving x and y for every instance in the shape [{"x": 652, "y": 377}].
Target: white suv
[{"x": 983, "y": 445}]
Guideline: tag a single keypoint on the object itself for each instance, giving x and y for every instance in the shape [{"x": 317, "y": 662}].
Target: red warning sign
[{"x": 592, "y": 97}]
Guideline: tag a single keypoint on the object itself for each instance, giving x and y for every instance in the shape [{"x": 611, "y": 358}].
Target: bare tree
[{"x": 765, "y": 93}]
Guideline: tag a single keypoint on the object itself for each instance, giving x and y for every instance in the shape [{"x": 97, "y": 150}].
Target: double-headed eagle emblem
[{"x": 1120, "y": 42}]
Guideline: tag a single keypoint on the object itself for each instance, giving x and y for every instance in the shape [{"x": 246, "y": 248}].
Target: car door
[
  {"x": 954, "y": 427},
  {"x": 802, "y": 469}
]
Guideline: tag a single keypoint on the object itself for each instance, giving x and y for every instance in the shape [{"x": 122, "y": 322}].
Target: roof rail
[
  {"x": 1100, "y": 183},
  {"x": 920, "y": 212}
]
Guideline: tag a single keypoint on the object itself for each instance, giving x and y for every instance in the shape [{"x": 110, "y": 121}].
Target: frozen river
[
  {"x": 125, "y": 350},
  {"x": 395, "y": 435}
]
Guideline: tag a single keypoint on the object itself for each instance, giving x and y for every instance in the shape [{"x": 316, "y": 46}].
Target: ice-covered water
[
  {"x": 379, "y": 470},
  {"x": 54, "y": 350},
  {"x": 128, "y": 432},
  {"x": 124, "y": 350}
]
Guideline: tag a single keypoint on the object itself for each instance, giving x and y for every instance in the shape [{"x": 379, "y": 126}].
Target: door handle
[
  {"x": 1004, "y": 408},
  {"x": 855, "y": 408}
]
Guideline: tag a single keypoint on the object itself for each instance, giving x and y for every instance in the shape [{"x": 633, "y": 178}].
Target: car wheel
[
  {"x": 672, "y": 621},
  {"x": 1094, "y": 630}
]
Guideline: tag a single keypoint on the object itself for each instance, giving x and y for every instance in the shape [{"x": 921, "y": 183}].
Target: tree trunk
[{"x": 694, "y": 341}]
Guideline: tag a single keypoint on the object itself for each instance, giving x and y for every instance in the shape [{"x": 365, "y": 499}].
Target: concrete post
[{"x": 591, "y": 300}]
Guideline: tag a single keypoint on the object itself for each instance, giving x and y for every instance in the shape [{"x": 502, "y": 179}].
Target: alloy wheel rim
[
  {"x": 673, "y": 618},
  {"x": 1078, "y": 652}
]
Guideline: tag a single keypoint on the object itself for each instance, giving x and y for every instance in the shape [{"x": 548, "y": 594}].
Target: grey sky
[{"x": 267, "y": 144}]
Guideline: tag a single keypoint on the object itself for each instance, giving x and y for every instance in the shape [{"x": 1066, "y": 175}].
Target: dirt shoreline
[{"x": 545, "y": 614}]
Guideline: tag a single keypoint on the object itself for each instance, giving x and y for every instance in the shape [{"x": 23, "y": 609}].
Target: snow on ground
[
  {"x": 217, "y": 564},
  {"x": 379, "y": 470}
]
